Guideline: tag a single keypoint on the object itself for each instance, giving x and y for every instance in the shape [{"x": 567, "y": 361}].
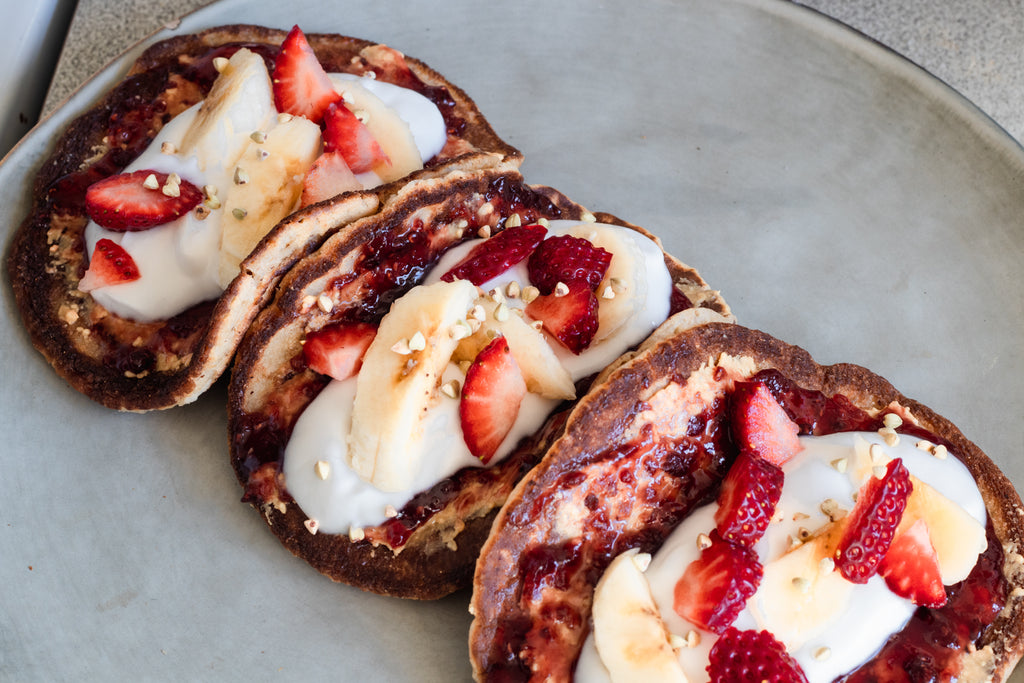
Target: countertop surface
[{"x": 973, "y": 45}]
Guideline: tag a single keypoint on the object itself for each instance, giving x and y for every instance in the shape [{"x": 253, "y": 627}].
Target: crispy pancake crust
[
  {"x": 512, "y": 635},
  {"x": 270, "y": 384},
  {"x": 143, "y": 366}
]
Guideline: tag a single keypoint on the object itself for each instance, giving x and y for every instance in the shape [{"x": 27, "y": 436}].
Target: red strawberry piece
[
  {"x": 752, "y": 656},
  {"x": 337, "y": 350},
  {"x": 911, "y": 567},
  {"x": 571, "y": 319},
  {"x": 747, "y": 500},
  {"x": 110, "y": 264},
  {"x": 301, "y": 86},
  {"x": 388, "y": 64},
  {"x": 715, "y": 587},
  {"x": 491, "y": 395},
  {"x": 564, "y": 258},
  {"x": 345, "y": 133},
  {"x": 328, "y": 177},
  {"x": 872, "y": 523},
  {"x": 761, "y": 425},
  {"x": 124, "y": 203},
  {"x": 494, "y": 256}
]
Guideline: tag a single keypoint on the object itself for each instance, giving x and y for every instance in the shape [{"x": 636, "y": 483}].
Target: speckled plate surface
[{"x": 841, "y": 198}]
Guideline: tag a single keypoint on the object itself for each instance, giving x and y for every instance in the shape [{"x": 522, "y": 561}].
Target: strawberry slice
[
  {"x": 345, "y": 133},
  {"x": 911, "y": 567},
  {"x": 128, "y": 203},
  {"x": 761, "y": 425},
  {"x": 388, "y": 64},
  {"x": 337, "y": 350},
  {"x": 494, "y": 256},
  {"x": 747, "y": 500},
  {"x": 571, "y": 319},
  {"x": 752, "y": 656},
  {"x": 301, "y": 86},
  {"x": 564, "y": 258},
  {"x": 715, "y": 587},
  {"x": 328, "y": 177},
  {"x": 491, "y": 395},
  {"x": 872, "y": 523},
  {"x": 110, "y": 264}
]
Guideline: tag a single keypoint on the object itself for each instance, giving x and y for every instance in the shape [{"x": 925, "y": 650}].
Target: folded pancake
[
  {"x": 297, "y": 434},
  {"x": 161, "y": 354},
  {"x": 648, "y": 447}
]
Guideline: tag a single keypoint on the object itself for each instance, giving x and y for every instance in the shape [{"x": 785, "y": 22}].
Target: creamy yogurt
[
  {"x": 344, "y": 500},
  {"x": 871, "y": 612},
  {"x": 179, "y": 261}
]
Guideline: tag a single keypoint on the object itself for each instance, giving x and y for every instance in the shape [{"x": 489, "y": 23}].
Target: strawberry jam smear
[{"x": 552, "y": 578}]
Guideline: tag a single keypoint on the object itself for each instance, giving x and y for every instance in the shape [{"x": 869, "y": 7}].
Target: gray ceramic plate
[{"x": 841, "y": 199}]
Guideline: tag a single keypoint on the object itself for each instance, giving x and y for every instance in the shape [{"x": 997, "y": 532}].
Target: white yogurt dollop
[
  {"x": 179, "y": 261},
  {"x": 871, "y": 614},
  {"x": 344, "y": 500}
]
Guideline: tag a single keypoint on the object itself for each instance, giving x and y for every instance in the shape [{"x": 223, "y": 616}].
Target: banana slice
[
  {"x": 958, "y": 538},
  {"x": 629, "y": 633},
  {"x": 399, "y": 381},
  {"x": 624, "y": 289},
  {"x": 544, "y": 373},
  {"x": 388, "y": 129},
  {"x": 241, "y": 101},
  {"x": 267, "y": 182}
]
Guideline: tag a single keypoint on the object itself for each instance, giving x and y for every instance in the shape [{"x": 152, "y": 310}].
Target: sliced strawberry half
[
  {"x": 110, "y": 264},
  {"x": 761, "y": 425},
  {"x": 564, "y": 258},
  {"x": 345, "y": 133},
  {"x": 715, "y": 587},
  {"x": 752, "y": 656},
  {"x": 571, "y": 319},
  {"x": 129, "y": 202},
  {"x": 747, "y": 500},
  {"x": 911, "y": 567},
  {"x": 301, "y": 86},
  {"x": 494, "y": 256},
  {"x": 491, "y": 395},
  {"x": 872, "y": 523},
  {"x": 337, "y": 350},
  {"x": 328, "y": 177}
]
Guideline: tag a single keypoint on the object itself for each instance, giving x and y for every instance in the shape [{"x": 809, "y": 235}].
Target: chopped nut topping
[
  {"x": 924, "y": 445},
  {"x": 703, "y": 541},
  {"x": 840, "y": 464},
  {"x": 284, "y": 117},
  {"x": 529, "y": 293},
  {"x": 801, "y": 584},
  {"x": 262, "y": 154},
  {"x": 496, "y": 295},
  {"x": 940, "y": 452},
  {"x": 822, "y": 653},
  {"x": 692, "y": 639},
  {"x": 325, "y": 303},
  {"x": 804, "y": 533},
  {"x": 588, "y": 217},
  {"x": 460, "y": 330},
  {"x": 642, "y": 561},
  {"x": 478, "y": 313},
  {"x": 322, "y": 469},
  {"x": 830, "y": 508},
  {"x": 239, "y": 213},
  {"x": 608, "y": 292},
  {"x": 464, "y": 366},
  {"x": 877, "y": 453},
  {"x": 676, "y": 642},
  {"x": 537, "y": 325},
  {"x": 878, "y": 471},
  {"x": 202, "y": 211},
  {"x": 826, "y": 565},
  {"x": 484, "y": 232},
  {"x": 451, "y": 389},
  {"x": 312, "y": 526},
  {"x": 512, "y": 290},
  {"x": 171, "y": 189},
  {"x": 401, "y": 347},
  {"x": 892, "y": 420},
  {"x": 418, "y": 342},
  {"x": 890, "y": 436},
  {"x": 544, "y": 221},
  {"x": 362, "y": 115},
  {"x": 462, "y": 224},
  {"x": 308, "y": 302},
  {"x": 561, "y": 289},
  {"x": 798, "y": 516},
  {"x": 501, "y": 313},
  {"x": 209, "y": 191},
  {"x": 513, "y": 221},
  {"x": 167, "y": 147},
  {"x": 390, "y": 512},
  {"x": 356, "y": 534},
  {"x": 486, "y": 209},
  {"x": 258, "y": 136},
  {"x": 241, "y": 177},
  {"x": 151, "y": 183},
  {"x": 220, "y": 63}
]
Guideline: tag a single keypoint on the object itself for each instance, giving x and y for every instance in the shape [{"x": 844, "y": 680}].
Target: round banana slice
[{"x": 399, "y": 381}]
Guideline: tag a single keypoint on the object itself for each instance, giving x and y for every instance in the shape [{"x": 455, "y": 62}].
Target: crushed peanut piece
[
  {"x": 890, "y": 436},
  {"x": 801, "y": 584},
  {"x": 588, "y": 217},
  {"x": 822, "y": 653},
  {"x": 529, "y": 293},
  {"x": 356, "y": 534},
  {"x": 151, "y": 183},
  {"x": 167, "y": 147},
  {"x": 642, "y": 561},
  {"x": 840, "y": 464},
  {"x": 418, "y": 342},
  {"x": 501, "y": 312},
  {"x": 312, "y": 526},
  {"x": 940, "y": 452},
  {"x": 703, "y": 541},
  {"x": 513, "y": 221},
  {"x": 325, "y": 303},
  {"x": 284, "y": 117},
  {"x": 608, "y": 292},
  {"x": 202, "y": 211},
  {"x": 460, "y": 330},
  {"x": 561, "y": 289},
  {"x": 220, "y": 63},
  {"x": 692, "y": 639},
  {"x": 390, "y": 512},
  {"x": 258, "y": 136},
  {"x": 484, "y": 232},
  {"x": 512, "y": 290},
  {"x": 451, "y": 389},
  {"x": 401, "y": 347},
  {"x": 239, "y": 214},
  {"x": 322, "y": 469},
  {"x": 241, "y": 176},
  {"x": 544, "y": 221},
  {"x": 892, "y": 420},
  {"x": 826, "y": 565}
]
